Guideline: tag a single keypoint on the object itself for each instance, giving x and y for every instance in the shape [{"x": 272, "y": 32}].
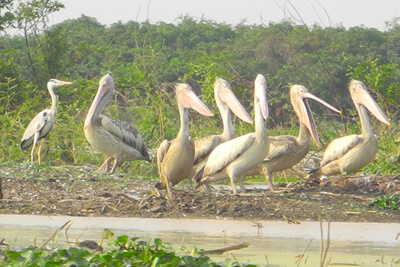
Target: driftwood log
[{"x": 225, "y": 249}]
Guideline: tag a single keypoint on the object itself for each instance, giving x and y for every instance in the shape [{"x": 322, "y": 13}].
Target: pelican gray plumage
[
  {"x": 351, "y": 153},
  {"x": 226, "y": 102},
  {"x": 175, "y": 158},
  {"x": 285, "y": 151},
  {"x": 237, "y": 156},
  {"x": 43, "y": 122},
  {"x": 116, "y": 139}
]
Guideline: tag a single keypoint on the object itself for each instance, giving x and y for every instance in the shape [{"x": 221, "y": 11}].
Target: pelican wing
[
  {"x": 279, "y": 146},
  {"x": 41, "y": 124},
  {"x": 226, "y": 153},
  {"x": 204, "y": 146},
  {"x": 161, "y": 151},
  {"x": 125, "y": 132},
  {"x": 340, "y": 146}
]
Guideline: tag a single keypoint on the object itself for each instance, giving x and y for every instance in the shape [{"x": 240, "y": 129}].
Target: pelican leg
[
  {"x": 168, "y": 184},
  {"x": 207, "y": 188},
  {"x": 241, "y": 184},
  {"x": 116, "y": 164},
  {"x": 268, "y": 179},
  {"x": 233, "y": 184},
  {"x": 106, "y": 166}
]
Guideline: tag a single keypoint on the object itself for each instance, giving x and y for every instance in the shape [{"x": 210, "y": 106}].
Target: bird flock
[{"x": 224, "y": 156}]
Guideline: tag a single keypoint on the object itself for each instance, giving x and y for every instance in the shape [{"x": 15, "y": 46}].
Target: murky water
[{"x": 276, "y": 244}]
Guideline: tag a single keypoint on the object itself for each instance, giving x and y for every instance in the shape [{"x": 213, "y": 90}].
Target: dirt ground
[{"x": 79, "y": 191}]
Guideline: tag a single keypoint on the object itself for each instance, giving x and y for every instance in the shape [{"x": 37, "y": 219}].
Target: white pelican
[
  {"x": 42, "y": 123},
  {"x": 235, "y": 157},
  {"x": 351, "y": 153},
  {"x": 175, "y": 158},
  {"x": 285, "y": 151},
  {"x": 226, "y": 101},
  {"x": 117, "y": 139}
]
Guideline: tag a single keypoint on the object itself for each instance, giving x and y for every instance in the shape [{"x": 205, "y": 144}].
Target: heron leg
[
  {"x": 1, "y": 188},
  {"x": 35, "y": 140},
  {"x": 38, "y": 153},
  {"x": 106, "y": 166},
  {"x": 32, "y": 152}
]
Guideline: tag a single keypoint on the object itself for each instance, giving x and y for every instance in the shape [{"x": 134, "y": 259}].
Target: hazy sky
[{"x": 347, "y": 13}]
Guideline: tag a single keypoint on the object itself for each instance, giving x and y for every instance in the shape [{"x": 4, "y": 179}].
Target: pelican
[
  {"x": 351, "y": 153},
  {"x": 117, "y": 139},
  {"x": 226, "y": 101},
  {"x": 235, "y": 157},
  {"x": 42, "y": 123},
  {"x": 175, "y": 158},
  {"x": 285, "y": 151}
]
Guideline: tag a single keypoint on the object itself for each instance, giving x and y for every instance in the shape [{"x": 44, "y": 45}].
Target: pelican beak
[
  {"x": 102, "y": 90},
  {"x": 362, "y": 97},
  {"x": 191, "y": 100},
  {"x": 260, "y": 93},
  {"x": 306, "y": 115},
  {"x": 233, "y": 103}
]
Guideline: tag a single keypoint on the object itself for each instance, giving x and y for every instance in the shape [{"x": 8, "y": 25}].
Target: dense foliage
[{"x": 148, "y": 59}]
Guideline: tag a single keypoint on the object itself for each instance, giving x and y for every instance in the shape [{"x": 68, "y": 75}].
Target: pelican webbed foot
[{"x": 106, "y": 166}]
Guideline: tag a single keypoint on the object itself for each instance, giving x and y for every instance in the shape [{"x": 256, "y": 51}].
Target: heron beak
[{"x": 63, "y": 82}]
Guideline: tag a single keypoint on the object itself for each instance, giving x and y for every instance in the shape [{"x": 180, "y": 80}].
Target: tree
[
  {"x": 31, "y": 17},
  {"x": 6, "y": 14}
]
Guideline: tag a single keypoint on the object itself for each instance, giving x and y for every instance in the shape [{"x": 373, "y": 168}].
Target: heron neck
[{"x": 53, "y": 108}]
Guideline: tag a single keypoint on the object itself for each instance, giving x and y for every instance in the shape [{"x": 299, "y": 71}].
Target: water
[{"x": 276, "y": 244}]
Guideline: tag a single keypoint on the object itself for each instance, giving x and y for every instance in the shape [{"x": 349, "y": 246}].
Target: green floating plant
[
  {"x": 123, "y": 251},
  {"x": 387, "y": 201}
]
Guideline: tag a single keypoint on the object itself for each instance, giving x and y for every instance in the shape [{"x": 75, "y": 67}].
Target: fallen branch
[
  {"x": 302, "y": 254},
  {"x": 43, "y": 195},
  {"x": 69, "y": 223},
  {"x": 395, "y": 177},
  {"x": 51, "y": 237},
  {"x": 225, "y": 249}
]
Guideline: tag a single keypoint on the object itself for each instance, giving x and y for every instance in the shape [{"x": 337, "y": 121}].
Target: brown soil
[{"x": 78, "y": 191}]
